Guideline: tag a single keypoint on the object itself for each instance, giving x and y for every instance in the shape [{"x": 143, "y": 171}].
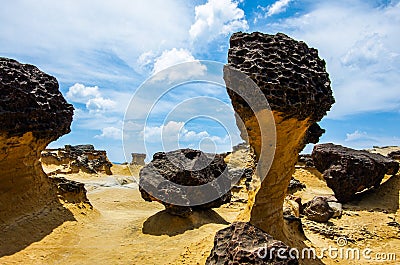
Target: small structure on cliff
[
  {"x": 72, "y": 159},
  {"x": 138, "y": 159}
]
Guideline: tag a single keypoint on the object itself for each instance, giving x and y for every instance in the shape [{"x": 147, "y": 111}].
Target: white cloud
[
  {"x": 360, "y": 43},
  {"x": 175, "y": 131},
  {"x": 172, "y": 57},
  {"x": 110, "y": 132},
  {"x": 215, "y": 18},
  {"x": 81, "y": 94},
  {"x": 361, "y": 140},
  {"x": 184, "y": 72},
  {"x": 91, "y": 96},
  {"x": 276, "y": 8},
  {"x": 100, "y": 104},
  {"x": 357, "y": 136}
]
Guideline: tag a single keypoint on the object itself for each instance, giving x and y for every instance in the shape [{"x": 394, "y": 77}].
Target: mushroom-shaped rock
[
  {"x": 189, "y": 169},
  {"x": 243, "y": 243},
  {"x": 33, "y": 113},
  {"x": 348, "y": 171},
  {"x": 294, "y": 81}
]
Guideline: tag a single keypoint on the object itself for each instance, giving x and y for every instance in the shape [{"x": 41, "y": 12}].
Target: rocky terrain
[
  {"x": 88, "y": 211},
  {"x": 73, "y": 159}
]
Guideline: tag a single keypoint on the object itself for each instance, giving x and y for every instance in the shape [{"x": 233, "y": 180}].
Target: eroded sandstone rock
[
  {"x": 72, "y": 159},
  {"x": 185, "y": 167},
  {"x": 294, "y": 80},
  {"x": 32, "y": 114},
  {"x": 243, "y": 243},
  {"x": 348, "y": 171}
]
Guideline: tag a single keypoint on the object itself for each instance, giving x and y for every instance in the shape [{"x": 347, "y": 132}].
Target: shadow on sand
[
  {"x": 163, "y": 223},
  {"x": 25, "y": 231},
  {"x": 385, "y": 197}
]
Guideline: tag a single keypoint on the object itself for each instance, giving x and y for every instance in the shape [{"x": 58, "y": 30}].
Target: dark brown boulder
[
  {"x": 348, "y": 171},
  {"x": 293, "y": 79},
  {"x": 318, "y": 209},
  {"x": 189, "y": 169},
  {"x": 243, "y": 243},
  {"x": 33, "y": 113}
]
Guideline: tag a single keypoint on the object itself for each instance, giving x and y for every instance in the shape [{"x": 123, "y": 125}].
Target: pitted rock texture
[
  {"x": 290, "y": 74},
  {"x": 32, "y": 114},
  {"x": 294, "y": 81},
  {"x": 348, "y": 171},
  {"x": 31, "y": 102},
  {"x": 243, "y": 243},
  {"x": 73, "y": 159},
  {"x": 185, "y": 167}
]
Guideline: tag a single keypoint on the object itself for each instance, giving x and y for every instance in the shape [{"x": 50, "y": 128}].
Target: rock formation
[
  {"x": 32, "y": 114},
  {"x": 318, "y": 209},
  {"x": 348, "y": 171},
  {"x": 186, "y": 167},
  {"x": 305, "y": 160},
  {"x": 243, "y": 243},
  {"x": 73, "y": 159},
  {"x": 395, "y": 154},
  {"x": 295, "y": 82},
  {"x": 138, "y": 159},
  {"x": 295, "y": 185}
]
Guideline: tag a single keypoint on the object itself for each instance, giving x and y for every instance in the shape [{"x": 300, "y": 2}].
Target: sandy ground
[{"x": 124, "y": 229}]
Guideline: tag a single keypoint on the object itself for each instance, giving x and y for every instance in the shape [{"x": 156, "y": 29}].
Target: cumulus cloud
[
  {"x": 276, "y": 8},
  {"x": 100, "y": 104},
  {"x": 81, "y": 94},
  {"x": 110, "y": 132},
  {"x": 175, "y": 131},
  {"x": 180, "y": 72},
  {"x": 91, "y": 96},
  {"x": 172, "y": 57},
  {"x": 215, "y": 18}
]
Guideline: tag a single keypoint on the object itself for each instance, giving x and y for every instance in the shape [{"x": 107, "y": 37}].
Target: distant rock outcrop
[
  {"x": 33, "y": 113},
  {"x": 73, "y": 159},
  {"x": 138, "y": 159},
  {"x": 294, "y": 80},
  {"x": 243, "y": 243},
  {"x": 348, "y": 171},
  {"x": 185, "y": 167}
]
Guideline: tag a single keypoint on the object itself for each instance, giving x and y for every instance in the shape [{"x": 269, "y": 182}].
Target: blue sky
[{"x": 102, "y": 51}]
